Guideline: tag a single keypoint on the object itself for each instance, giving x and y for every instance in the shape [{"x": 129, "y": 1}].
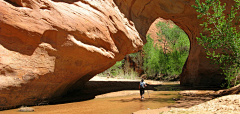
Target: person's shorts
[{"x": 142, "y": 91}]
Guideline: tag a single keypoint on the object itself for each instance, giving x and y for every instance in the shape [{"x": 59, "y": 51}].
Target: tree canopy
[
  {"x": 169, "y": 55},
  {"x": 221, "y": 36}
]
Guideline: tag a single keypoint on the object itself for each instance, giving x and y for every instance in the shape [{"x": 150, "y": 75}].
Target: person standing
[{"x": 142, "y": 86}]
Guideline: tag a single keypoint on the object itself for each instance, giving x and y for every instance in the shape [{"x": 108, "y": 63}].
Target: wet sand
[
  {"x": 110, "y": 96},
  {"x": 111, "y": 105}
]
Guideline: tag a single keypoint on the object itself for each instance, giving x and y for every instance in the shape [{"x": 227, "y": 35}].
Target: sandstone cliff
[
  {"x": 50, "y": 46},
  {"x": 197, "y": 71},
  {"x": 46, "y": 46}
]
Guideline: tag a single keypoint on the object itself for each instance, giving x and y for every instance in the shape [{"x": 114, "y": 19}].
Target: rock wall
[
  {"x": 48, "y": 45},
  {"x": 197, "y": 71}
]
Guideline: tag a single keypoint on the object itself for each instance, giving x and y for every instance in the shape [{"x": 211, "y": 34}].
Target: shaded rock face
[
  {"x": 197, "y": 71},
  {"x": 47, "y": 46},
  {"x": 50, "y": 46}
]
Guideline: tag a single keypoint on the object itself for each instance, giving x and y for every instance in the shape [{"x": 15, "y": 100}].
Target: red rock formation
[
  {"x": 197, "y": 71},
  {"x": 152, "y": 31},
  {"x": 46, "y": 46}
]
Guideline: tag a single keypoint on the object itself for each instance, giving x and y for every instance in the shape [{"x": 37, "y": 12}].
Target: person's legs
[{"x": 142, "y": 92}]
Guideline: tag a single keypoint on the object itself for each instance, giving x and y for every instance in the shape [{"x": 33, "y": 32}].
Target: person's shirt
[{"x": 142, "y": 84}]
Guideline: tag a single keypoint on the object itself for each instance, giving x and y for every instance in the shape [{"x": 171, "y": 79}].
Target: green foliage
[
  {"x": 115, "y": 69},
  {"x": 151, "y": 58},
  {"x": 121, "y": 69},
  {"x": 169, "y": 58},
  {"x": 137, "y": 59},
  {"x": 220, "y": 33}
]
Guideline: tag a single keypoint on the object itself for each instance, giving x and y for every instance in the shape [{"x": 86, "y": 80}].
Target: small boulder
[{"x": 25, "y": 109}]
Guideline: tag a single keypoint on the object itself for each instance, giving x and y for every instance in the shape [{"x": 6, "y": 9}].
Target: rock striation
[{"x": 48, "y": 45}]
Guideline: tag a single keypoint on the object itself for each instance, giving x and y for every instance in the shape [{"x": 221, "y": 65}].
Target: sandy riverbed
[{"x": 128, "y": 100}]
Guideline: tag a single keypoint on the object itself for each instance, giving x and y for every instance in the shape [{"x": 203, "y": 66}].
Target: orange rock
[
  {"x": 197, "y": 71},
  {"x": 47, "y": 46},
  {"x": 51, "y": 46}
]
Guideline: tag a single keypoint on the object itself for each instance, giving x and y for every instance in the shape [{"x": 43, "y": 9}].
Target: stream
[{"x": 108, "y": 105}]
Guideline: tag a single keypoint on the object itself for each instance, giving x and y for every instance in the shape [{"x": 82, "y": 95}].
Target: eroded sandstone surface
[
  {"x": 48, "y": 45},
  {"x": 197, "y": 71}
]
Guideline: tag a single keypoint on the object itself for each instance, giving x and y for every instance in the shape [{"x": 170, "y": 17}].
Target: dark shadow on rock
[{"x": 94, "y": 88}]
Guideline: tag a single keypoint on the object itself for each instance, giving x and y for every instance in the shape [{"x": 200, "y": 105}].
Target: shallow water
[{"x": 112, "y": 105}]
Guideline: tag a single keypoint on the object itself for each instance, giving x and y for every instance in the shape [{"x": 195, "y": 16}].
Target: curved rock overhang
[
  {"x": 50, "y": 46},
  {"x": 46, "y": 46},
  {"x": 197, "y": 71}
]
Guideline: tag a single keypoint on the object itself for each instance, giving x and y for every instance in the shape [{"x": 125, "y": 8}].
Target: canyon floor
[{"x": 161, "y": 97}]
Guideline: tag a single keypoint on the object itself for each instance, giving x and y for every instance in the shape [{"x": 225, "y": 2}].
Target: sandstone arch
[
  {"x": 197, "y": 71},
  {"x": 50, "y": 46}
]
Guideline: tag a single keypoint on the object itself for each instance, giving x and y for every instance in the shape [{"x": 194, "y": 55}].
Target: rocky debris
[
  {"x": 225, "y": 104},
  {"x": 26, "y": 109},
  {"x": 229, "y": 104}
]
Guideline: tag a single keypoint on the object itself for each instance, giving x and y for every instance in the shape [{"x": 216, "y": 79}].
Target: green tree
[
  {"x": 177, "y": 43},
  {"x": 151, "y": 57},
  {"x": 168, "y": 56},
  {"x": 220, "y": 37}
]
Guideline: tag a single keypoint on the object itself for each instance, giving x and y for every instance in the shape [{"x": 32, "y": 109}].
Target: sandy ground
[
  {"x": 111, "y": 105},
  {"x": 124, "y": 92},
  {"x": 97, "y": 78},
  {"x": 127, "y": 92},
  {"x": 128, "y": 101},
  {"x": 229, "y": 104},
  {"x": 119, "y": 102},
  {"x": 120, "y": 93}
]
